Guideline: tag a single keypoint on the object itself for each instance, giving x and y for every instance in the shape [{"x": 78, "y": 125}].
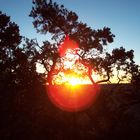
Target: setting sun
[
  {"x": 71, "y": 79},
  {"x": 74, "y": 81}
]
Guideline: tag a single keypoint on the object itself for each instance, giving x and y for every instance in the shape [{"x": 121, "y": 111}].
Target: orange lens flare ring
[{"x": 73, "y": 98}]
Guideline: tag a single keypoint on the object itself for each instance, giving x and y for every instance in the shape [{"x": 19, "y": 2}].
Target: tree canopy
[
  {"x": 17, "y": 63},
  {"x": 91, "y": 52}
]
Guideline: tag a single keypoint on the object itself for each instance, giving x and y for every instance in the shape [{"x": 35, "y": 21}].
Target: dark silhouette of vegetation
[
  {"x": 17, "y": 62},
  {"x": 25, "y": 110},
  {"x": 18, "y": 76}
]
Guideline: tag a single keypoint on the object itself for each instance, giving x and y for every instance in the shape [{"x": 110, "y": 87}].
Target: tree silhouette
[
  {"x": 17, "y": 63},
  {"x": 9, "y": 40},
  {"x": 92, "y": 53}
]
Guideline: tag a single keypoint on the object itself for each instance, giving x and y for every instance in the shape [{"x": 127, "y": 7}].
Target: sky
[{"x": 122, "y": 16}]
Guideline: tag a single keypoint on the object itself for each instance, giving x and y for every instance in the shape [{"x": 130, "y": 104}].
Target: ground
[{"x": 31, "y": 115}]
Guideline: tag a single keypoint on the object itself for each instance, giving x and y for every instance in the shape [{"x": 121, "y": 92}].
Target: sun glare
[
  {"x": 71, "y": 80},
  {"x": 74, "y": 81}
]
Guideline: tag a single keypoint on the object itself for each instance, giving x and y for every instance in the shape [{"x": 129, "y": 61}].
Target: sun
[{"x": 73, "y": 81}]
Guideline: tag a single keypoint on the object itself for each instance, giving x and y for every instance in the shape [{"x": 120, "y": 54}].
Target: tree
[
  {"x": 61, "y": 23},
  {"x": 9, "y": 39},
  {"x": 135, "y": 80},
  {"x": 17, "y": 63}
]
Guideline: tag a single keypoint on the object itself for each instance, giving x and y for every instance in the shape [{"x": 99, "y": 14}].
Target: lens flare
[
  {"x": 67, "y": 44},
  {"x": 73, "y": 98},
  {"x": 72, "y": 94}
]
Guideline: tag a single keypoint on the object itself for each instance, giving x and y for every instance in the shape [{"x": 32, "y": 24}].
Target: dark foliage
[
  {"x": 17, "y": 63},
  {"x": 18, "y": 76}
]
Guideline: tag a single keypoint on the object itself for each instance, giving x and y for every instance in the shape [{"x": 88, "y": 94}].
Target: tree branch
[
  {"x": 90, "y": 75},
  {"x": 105, "y": 80}
]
